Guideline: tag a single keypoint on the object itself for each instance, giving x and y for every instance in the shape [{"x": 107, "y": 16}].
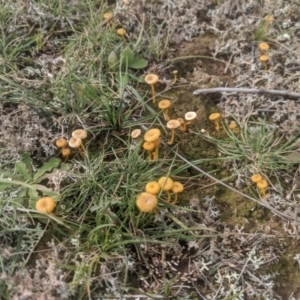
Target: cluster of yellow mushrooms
[
  {"x": 74, "y": 142},
  {"x": 264, "y": 47},
  {"x": 147, "y": 201},
  {"x": 261, "y": 183}
]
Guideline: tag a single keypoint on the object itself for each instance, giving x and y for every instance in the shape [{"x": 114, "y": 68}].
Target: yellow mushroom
[
  {"x": 149, "y": 147},
  {"x": 264, "y": 59},
  {"x": 215, "y": 117},
  {"x": 173, "y": 124},
  {"x": 263, "y": 47},
  {"x": 76, "y": 143},
  {"x": 121, "y": 32},
  {"x": 108, "y": 17},
  {"x": 45, "y": 205},
  {"x": 81, "y": 134},
  {"x": 152, "y": 187},
  {"x": 255, "y": 178},
  {"x": 136, "y": 133},
  {"x": 66, "y": 153},
  {"x": 182, "y": 124},
  {"x": 166, "y": 184},
  {"x": 233, "y": 126},
  {"x": 262, "y": 186},
  {"x": 177, "y": 188},
  {"x": 61, "y": 143},
  {"x": 189, "y": 117},
  {"x": 151, "y": 79},
  {"x": 152, "y": 135},
  {"x": 269, "y": 19},
  {"x": 146, "y": 202},
  {"x": 164, "y": 105}
]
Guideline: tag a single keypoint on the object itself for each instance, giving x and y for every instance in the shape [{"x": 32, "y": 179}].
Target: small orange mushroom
[
  {"x": 152, "y": 135},
  {"x": 262, "y": 186},
  {"x": 173, "y": 124},
  {"x": 152, "y": 187},
  {"x": 164, "y": 105},
  {"x": 215, "y": 117},
  {"x": 151, "y": 79},
  {"x": 146, "y": 202},
  {"x": 166, "y": 184},
  {"x": 61, "y": 143},
  {"x": 177, "y": 188},
  {"x": 264, "y": 59},
  {"x": 45, "y": 205}
]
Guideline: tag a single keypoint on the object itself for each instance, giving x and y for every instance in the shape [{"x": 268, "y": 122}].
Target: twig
[{"x": 288, "y": 94}]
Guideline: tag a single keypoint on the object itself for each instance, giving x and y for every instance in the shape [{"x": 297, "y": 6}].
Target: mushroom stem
[
  {"x": 153, "y": 93},
  {"x": 262, "y": 192},
  {"x": 172, "y": 137},
  {"x": 155, "y": 154},
  {"x": 217, "y": 125},
  {"x": 176, "y": 198},
  {"x": 169, "y": 196},
  {"x": 175, "y": 76},
  {"x": 166, "y": 113},
  {"x": 183, "y": 127}
]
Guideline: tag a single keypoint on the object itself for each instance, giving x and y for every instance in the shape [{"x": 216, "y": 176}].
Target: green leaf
[
  {"x": 112, "y": 61},
  {"x": 4, "y": 185},
  {"x": 21, "y": 168},
  {"x": 47, "y": 167},
  {"x": 122, "y": 79},
  {"x": 28, "y": 162},
  {"x": 126, "y": 57},
  {"x": 138, "y": 63},
  {"x": 33, "y": 194}
]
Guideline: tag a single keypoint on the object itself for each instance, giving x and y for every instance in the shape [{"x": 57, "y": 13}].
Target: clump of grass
[{"x": 256, "y": 148}]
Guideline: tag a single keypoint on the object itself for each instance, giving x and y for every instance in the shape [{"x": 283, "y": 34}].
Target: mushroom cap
[
  {"x": 149, "y": 145},
  {"x": 121, "y": 31},
  {"x": 79, "y": 133},
  {"x": 180, "y": 120},
  {"x": 214, "y": 116},
  {"x": 108, "y": 16},
  {"x": 66, "y": 152},
  {"x": 262, "y": 184},
  {"x": 190, "y": 115},
  {"x": 173, "y": 124},
  {"x": 136, "y": 133},
  {"x": 164, "y": 104},
  {"x": 256, "y": 178},
  {"x": 152, "y": 187},
  {"x": 146, "y": 202},
  {"x": 264, "y": 58},
  {"x": 74, "y": 142},
  {"x": 165, "y": 183},
  {"x": 175, "y": 72},
  {"x": 152, "y": 135},
  {"x": 61, "y": 143},
  {"x": 232, "y": 125},
  {"x": 269, "y": 18},
  {"x": 151, "y": 78},
  {"x": 177, "y": 187},
  {"x": 45, "y": 205},
  {"x": 264, "y": 46}
]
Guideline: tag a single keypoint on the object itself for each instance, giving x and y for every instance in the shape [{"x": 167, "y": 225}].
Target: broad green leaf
[
  {"x": 21, "y": 168},
  {"x": 126, "y": 57},
  {"x": 33, "y": 194},
  {"x": 4, "y": 185},
  {"x": 112, "y": 61},
  {"x": 28, "y": 162},
  {"x": 138, "y": 63},
  {"x": 122, "y": 79},
  {"x": 47, "y": 167}
]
